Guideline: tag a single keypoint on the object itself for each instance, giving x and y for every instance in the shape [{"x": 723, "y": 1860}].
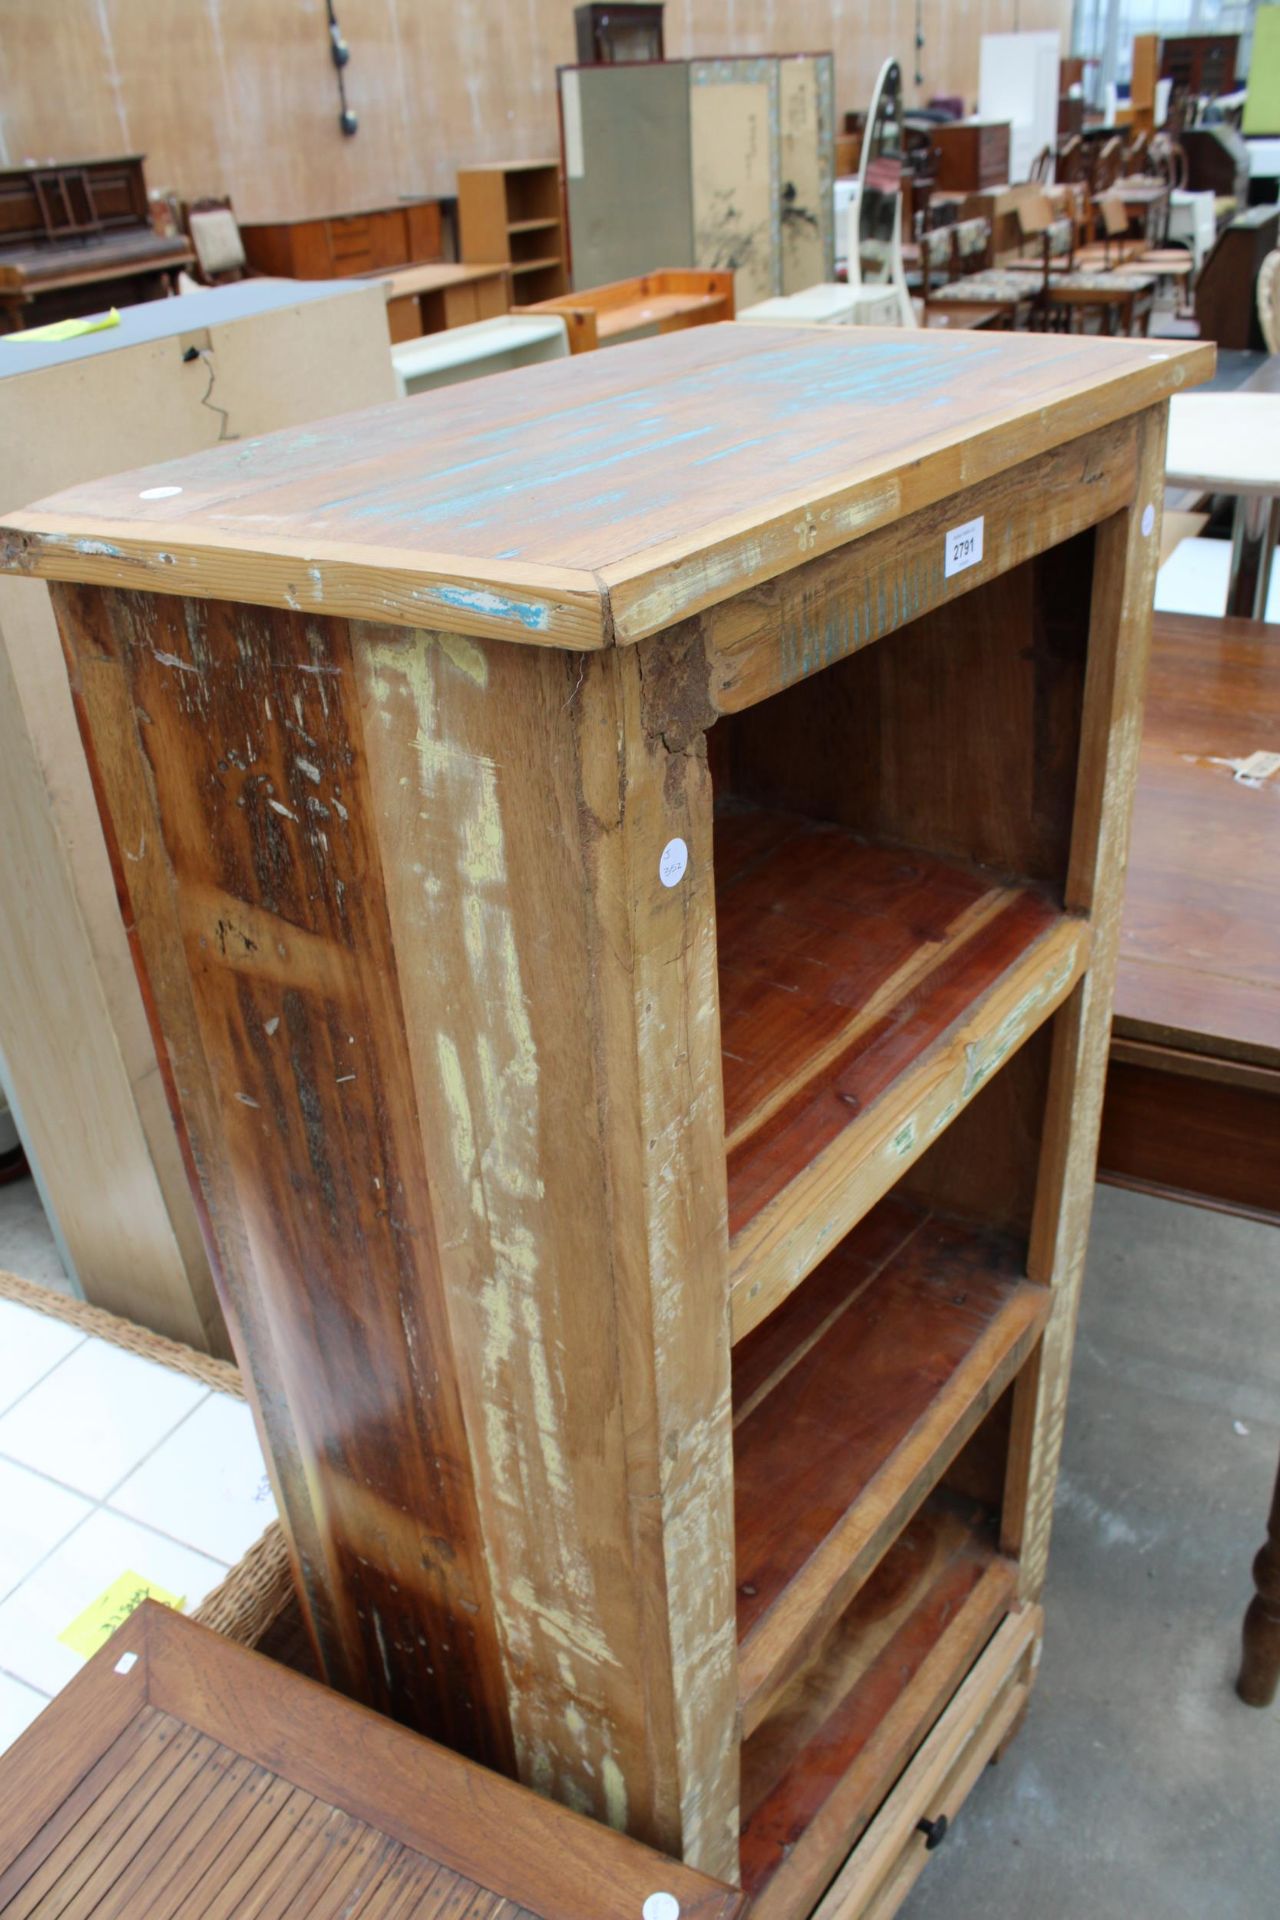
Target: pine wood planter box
[{"x": 625, "y": 864}]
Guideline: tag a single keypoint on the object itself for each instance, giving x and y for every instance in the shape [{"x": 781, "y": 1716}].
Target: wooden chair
[
  {"x": 962, "y": 253},
  {"x": 1268, "y": 297},
  {"x": 214, "y": 232}
]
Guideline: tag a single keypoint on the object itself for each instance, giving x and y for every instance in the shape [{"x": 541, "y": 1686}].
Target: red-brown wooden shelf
[
  {"x": 866, "y": 993},
  {"x": 851, "y": 1401},
  {"x": 814, "y": 1773}
]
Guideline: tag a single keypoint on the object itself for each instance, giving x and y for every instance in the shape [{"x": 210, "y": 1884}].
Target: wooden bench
[{"x": 661, "y": 302}]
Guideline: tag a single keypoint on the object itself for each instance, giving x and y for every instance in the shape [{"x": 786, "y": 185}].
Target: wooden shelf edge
[
  {"x": 533, "y": 226},
  {"x": 771, "y": 1653},
  {"x": 536, "y": 266},
  {"x": 781, "y": 1244},
  {"x": 906, "y": 1731}
]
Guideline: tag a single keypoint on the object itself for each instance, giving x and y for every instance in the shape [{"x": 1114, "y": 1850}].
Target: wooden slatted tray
[
  {"x": 867, "y": 992},
  {"x": 179, "y": 1775},
  {"x": 851, "y": 1402}
]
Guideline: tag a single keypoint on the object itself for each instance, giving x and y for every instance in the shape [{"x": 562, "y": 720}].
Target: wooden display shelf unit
[
  {"x": 629, "y": 891},
  {"x": 514, "y": 213}
]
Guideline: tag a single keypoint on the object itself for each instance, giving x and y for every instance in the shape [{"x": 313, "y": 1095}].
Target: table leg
[
  {"x": 1260, "y": 1667},
  {"x": 1254, "y": 533}
]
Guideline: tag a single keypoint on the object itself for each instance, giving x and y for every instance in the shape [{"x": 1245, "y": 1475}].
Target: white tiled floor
[{"x": 109, "y": 1465}]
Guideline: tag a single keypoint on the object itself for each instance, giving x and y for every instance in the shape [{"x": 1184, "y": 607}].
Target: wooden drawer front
[
  {"x": 889, "y": 1858},
  {"x": 351, "y": 243}
]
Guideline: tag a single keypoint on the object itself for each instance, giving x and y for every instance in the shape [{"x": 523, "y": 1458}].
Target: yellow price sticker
[{"x": 92, "y": 1628}]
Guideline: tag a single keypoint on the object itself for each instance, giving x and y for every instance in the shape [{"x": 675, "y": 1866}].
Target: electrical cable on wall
[
  {"x": 348, "y": 119},
  {"x": 919, "y": 40}
]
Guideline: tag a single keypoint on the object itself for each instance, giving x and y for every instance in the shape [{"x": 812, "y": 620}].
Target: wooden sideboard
[
  {"x": 1226, "y": 296},
  {"x": 336, "y": 245},
  {"x": 974, "y": 155},
  {"x": 633, "y": 926}
]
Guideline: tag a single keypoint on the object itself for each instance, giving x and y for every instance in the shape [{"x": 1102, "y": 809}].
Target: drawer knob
[{"x": 934, "y": 1831}]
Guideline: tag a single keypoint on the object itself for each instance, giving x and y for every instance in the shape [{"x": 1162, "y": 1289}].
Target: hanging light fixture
[{"x": 340, "y": 52}]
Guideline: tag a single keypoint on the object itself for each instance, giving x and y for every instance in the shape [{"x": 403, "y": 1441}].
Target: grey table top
[{"x": 161, "y": 319}]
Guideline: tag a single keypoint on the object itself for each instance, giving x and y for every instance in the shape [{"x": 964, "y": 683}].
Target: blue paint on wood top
[{"x": 632, "y": 457}]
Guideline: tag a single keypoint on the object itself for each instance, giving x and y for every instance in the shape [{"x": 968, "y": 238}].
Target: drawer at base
[{"x": 985, "y": 1709}]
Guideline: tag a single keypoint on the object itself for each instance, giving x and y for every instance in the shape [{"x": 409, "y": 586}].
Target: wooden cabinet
[
  {"x": 975, "y": 155},
  {"x": 1226, "y": 296},
  {"x": 341, "y": 244},
  {"x": 634, "y": 924},
  {"x": 81, "y": 1065},
  {"x": 423, "y": 300},
  {"x": 614, "y": 34},
  {"x": 514, "y": 214}
]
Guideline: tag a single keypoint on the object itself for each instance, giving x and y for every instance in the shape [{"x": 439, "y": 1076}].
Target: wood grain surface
[
  {"x": 600, "y": 499},
  {"x": 813, "y": 1774},
  {"x": 1200, "y": 937},
  {"x": 371, "y": 891},
  {"x": 180, "y": 1774},
  {"x": 826, "y": 1471}
]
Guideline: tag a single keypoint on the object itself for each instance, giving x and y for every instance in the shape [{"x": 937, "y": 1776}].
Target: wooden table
[
  {"x": 1230, "y": 443},
  {"x": 179, "y": 1775},
  {"x": 1192, "y": 1108},
  {"x": 1193, "y": 1096},
  {"x": 962, "y": 314},
  {"x": 629, "y": 886},
  {"x": 428, "y": 299}
]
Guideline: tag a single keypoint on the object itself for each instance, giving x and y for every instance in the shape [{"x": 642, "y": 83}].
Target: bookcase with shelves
[
  {"x": 513, "y": 213},
  {"x": 646, "y": 1122}
]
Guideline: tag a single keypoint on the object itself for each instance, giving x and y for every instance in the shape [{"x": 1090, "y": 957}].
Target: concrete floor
[{"x": 1139, "y": 1788}]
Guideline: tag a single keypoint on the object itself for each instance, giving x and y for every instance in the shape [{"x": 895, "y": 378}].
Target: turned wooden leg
[{"x": 1260, "y": 1667}]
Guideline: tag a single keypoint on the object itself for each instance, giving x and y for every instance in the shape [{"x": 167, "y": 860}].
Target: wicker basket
[{"x": 259, "y": 1588}]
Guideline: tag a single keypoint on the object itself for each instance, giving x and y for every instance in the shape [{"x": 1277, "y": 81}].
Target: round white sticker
[
  {"x": 1148, "y": 520},
  {"x": 158, "y": 493},
  {"x": 672, "y": 867},
  {"x": 661, "y": 1906}
]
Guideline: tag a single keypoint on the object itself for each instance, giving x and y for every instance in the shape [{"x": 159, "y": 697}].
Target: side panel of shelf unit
[
  {"x": 397, "y": 905},
  {"x": 1128, "y": 554}
]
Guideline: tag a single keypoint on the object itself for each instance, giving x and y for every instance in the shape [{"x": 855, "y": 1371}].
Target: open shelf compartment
[
  {"x": 892, "y": 857},
  {"x": 867, "y": 992},
  {"x": 817, "y": 1769},
  {"x": 850, "y": 1403}
]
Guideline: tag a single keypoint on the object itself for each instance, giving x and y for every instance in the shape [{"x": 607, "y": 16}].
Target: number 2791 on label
[{"x": 963, "y": 547}]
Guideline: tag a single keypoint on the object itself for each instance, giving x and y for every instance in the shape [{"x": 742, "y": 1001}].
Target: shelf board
[
  {"x": 850, "y": 1403},
  {"x": 533, "y": 226},
  {"x": 815, "y": 1772},
  {"x": 866, "y": 993},
  {"x": 535, "y": 266}
]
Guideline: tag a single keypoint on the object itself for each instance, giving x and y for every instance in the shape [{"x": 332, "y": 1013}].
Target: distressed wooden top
[{"x": 603, "y": 497}]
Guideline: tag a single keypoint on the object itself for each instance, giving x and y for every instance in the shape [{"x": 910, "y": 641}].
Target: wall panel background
[{"x": 239, "y": 96}]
